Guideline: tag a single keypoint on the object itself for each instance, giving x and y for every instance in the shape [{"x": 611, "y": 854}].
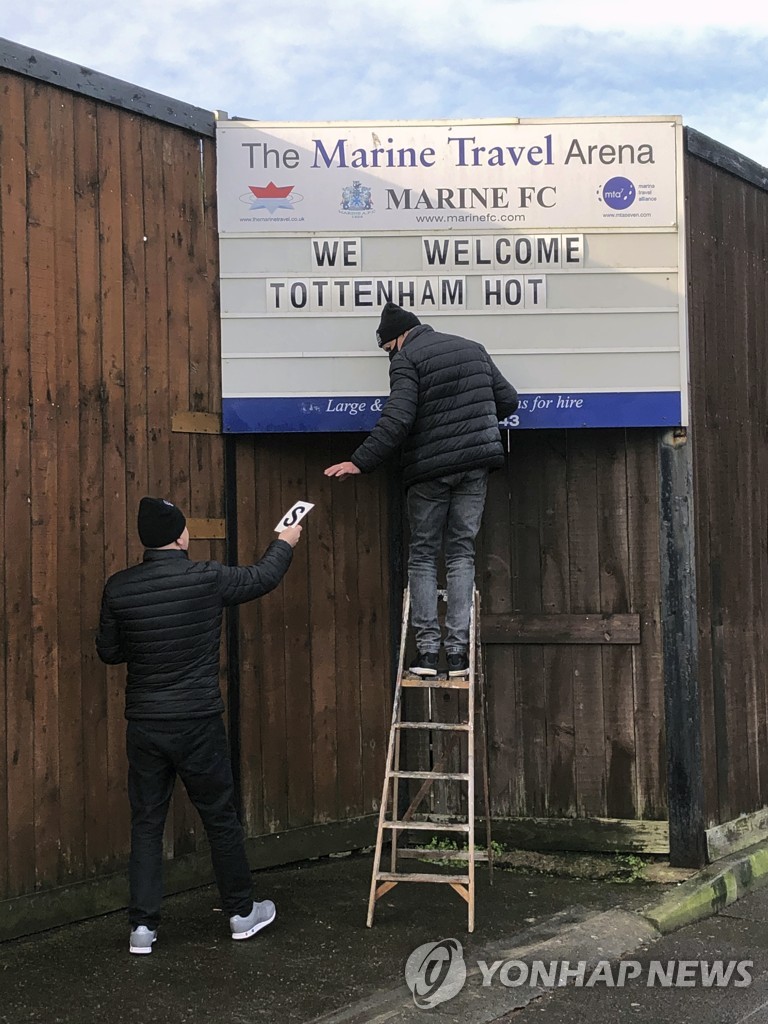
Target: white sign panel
[
  {"x": 557, "y": 245},
  {"x": 294, "y": 515}
]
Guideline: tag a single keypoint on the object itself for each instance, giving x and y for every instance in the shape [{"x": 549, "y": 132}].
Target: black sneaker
[
  {"x": 458, "y": 664},
  {"x": 424, "y": 664}
]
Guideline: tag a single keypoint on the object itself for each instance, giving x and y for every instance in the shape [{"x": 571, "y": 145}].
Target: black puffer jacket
[
  {"x": 163, "y": 616},
  {"x": 445, "y": 402}
]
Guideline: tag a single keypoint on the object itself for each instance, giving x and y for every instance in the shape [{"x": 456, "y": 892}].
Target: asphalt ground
[
  {"x": 317, "y": 959},
  {"x": 739, "y": 933}
]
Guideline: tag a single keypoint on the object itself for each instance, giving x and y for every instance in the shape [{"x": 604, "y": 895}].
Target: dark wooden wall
[
  {"x": 316, "y": 674},
  {"x": 109, "y": 319},
  {"x": 572, "y": 526},
  {"x": 110, "y": 340},
  {"x": 728, "y": 316},
  {"x": 110, "y": 333},
  {"x": 108, "y": 264}
]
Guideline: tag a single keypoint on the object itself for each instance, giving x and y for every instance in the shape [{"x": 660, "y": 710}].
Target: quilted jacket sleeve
[
  {"x": 110, "y": 645},
  {"x": 396, "y": 420},
  {"x": 241, "y": 583},
  {"x": 503, "y": 393}
]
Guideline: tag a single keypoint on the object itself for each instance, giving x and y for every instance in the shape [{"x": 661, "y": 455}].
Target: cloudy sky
[{"x": 405, "y": 59}]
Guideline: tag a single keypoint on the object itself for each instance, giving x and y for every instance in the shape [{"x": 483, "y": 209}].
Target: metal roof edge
[
  {"x": 24, "y": 60},
  {"x": 726, "y": 158}
]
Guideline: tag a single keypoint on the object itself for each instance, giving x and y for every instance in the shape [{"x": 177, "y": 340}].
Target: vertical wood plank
[
  {"x": 496, "y": 569},
  {"x": 347, "y": 507},
  {"x": 182, "y": 200},
  {"x": 135, "y": 321},
  {"x": 687, "y": 847},
  {"x": 212, "y": 303},
  {"x": 374, "y": 631},
  {"x": 207, "y": 483},
  {"x": 158, "y": 223},
  {"x": 585, "y": 597},
  {"x": 527, "y": 596},
  {"x": 319, "y": 538},
  {"x": 158, "y": 340},
  {"x": 16, "y": 498},
  {"x": 272, "y": 657},
  {"x": 3, "y": 610},
  {"x": 618, "y": 695},
  {"x": 645, "y": 588},
  {"x": 181, "y": 209},
  {"x": 251, "y": 645},
  {"x": 93, "y": 672},
  {"x": 296, "y": 612},
  {"x": 44, "y": 540},
  {"x": 72, "y": 799},
  {"x": 202, "y": 446},
  {"x": 113, "y": 435},
  {"x": 557, "y": 665},
  {"x": 702, "y": 257}
]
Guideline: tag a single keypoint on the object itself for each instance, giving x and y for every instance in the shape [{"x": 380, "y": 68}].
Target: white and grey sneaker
[
  {"x": 244, "y": 927},
  {"x": 142, "y": 939}
]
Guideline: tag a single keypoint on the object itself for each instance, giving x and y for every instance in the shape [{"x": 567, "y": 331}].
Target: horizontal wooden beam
[
  {"x": 196, "y": 423},
  {"x": 592, "y": 628},
  {"x": 738, "y": 834},
  {"x": 583, "y": 835},
  {"x": 207, "y": 529}
]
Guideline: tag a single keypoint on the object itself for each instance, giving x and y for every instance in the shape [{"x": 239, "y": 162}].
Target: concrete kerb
[{"x": 710, "y": 890}]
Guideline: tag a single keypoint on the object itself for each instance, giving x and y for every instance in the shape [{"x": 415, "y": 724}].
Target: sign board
[{"x": 558, "y": 245}]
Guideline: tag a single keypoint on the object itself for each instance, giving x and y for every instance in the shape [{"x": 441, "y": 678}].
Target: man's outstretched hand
[
  {"x": 291, "y": 535},
  {"x": 342, "y": 470}
]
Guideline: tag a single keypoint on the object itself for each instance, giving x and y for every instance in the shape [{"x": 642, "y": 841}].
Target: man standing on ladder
[{"x": 446, "y": 400}]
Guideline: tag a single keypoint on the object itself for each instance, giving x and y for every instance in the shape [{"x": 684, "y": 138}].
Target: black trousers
[{"x": 196, "y": 750}]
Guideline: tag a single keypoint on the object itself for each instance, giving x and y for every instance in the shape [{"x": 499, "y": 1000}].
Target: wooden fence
[
  {"x": 111, "y": 370},
  {"x": 108, "y": 257},
  {"x": 728, "y": 297}
]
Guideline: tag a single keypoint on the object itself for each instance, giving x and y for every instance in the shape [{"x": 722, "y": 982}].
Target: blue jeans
[
  {"x": 444, "y": 514},
  {"x": 196, "y": 751}
]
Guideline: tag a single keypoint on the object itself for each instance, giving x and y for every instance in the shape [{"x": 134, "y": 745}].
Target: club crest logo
[{"x": 356, "y": 200}]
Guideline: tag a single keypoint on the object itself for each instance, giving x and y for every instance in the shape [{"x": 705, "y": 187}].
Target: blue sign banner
[{"x": 543, "y": 411}]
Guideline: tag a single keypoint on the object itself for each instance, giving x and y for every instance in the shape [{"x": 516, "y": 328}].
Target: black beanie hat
[
  {"x": 160, "y": 522},
  {"x": 395, "y": 321}
]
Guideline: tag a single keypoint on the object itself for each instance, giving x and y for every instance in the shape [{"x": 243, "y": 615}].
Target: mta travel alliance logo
[
  {"x": 271, "y": 197},
  {"x": 436, "y": 972},
  {"x": 618, "y": 193}
]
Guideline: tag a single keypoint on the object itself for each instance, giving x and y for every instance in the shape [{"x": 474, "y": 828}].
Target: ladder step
[
  {"x": 426, "y": 826},
  {"x": 435, "y": 683},
  {"x": 427, "y": 853},
  {"x": 390, "y": 876},
  {"x": 437, "y": 726},
  {"x": 456, "y": 776}
]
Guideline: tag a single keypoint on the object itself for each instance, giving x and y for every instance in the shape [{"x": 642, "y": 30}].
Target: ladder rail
[
  {"x": 484, "y": 753},
  {"x": 471, "y": 761},
  {"x": 396, "y": 712},
  {"x": 383, "y": 881}
]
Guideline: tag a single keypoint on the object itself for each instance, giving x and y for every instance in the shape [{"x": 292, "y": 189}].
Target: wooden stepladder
[{"x": 472, "y": 712}]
